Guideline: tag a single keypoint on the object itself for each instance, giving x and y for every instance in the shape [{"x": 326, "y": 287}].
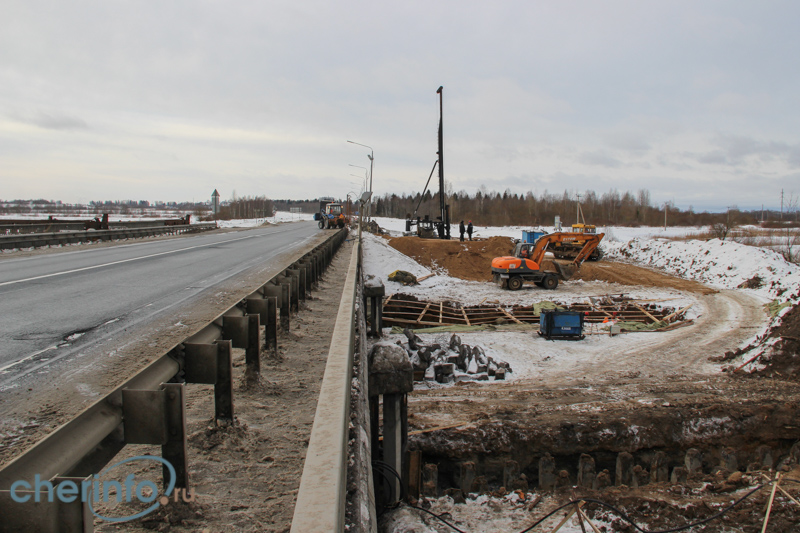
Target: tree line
[{"x": 613, "y": 208}]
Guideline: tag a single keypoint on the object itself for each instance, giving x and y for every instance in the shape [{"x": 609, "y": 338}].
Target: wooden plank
[
  {"x": 509, "y": 315},
  {"x": 423, "y": 278},
  {"x": 424, "y": 311},
  {"x": 441, "y": 304},
  {"x": 676, "y": 313},
  {"x": 609, "y": 315},
  {"x": 465, "y": 316},
  {"x": 438, "y": 428},
  {"x": 643, "y": 310}
]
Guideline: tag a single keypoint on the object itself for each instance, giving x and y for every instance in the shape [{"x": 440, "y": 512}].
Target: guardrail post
[
  {"x": 298, "y": 279},
  {"x": 253, "y": 354},
  {"x": 317, "y": 266},
  {"x": 211, "y": 364},
  {"x": 75, "y": 516},
  {"x": 294, "y": 278},
  {"x": 259, "y": 306},
  {"x": 234, "y": 328},
  {"x": 285, "y": 303},
  {"x": 223, "y": 388},
  {"x": 271, "y": 330},
  {"x": 159, "y": 417},
  {"x": 174, "y": 450}
]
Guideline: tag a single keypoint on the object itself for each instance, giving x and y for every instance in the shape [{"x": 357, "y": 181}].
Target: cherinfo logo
[{"x": 102, "y": 487}]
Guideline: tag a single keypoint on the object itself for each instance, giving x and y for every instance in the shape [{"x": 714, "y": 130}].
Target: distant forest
[
  {"x": 614, "y": 208},
  {"x": 484, "y": 208}
]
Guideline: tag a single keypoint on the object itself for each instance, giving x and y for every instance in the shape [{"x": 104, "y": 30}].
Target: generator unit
[
  {"x": 531, "y": 236},
  {"x": 562, "y": 325}
]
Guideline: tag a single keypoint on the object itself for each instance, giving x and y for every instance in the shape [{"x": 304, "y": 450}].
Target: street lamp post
[
  {"x": 371, "y": 157},
  {"x": 366, "y": 170}
]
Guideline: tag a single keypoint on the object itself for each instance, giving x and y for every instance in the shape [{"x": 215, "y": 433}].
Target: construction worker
[
  {"x": 469, "y": 230},
  {"x": 461, "y": 230}
]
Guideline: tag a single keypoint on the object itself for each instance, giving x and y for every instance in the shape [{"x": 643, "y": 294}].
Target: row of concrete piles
[{"x": 627, "y": 472}]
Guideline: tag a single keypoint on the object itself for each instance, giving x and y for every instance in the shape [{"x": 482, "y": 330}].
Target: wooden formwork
[{"x": 407, "y": 311}]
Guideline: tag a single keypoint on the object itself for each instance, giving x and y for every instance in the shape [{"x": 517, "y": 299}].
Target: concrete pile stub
[
  {"x": 586, "y": 471},
  {"x": 430, "y": 480},
  {"x": 693, "y": 461},
  {"x": 390, "y": 371},
  {"x": 468, "y": 475},
  {"x": 624, "y": 469},
  {"x": 547, "y": 472},
  {"x": 373, "y": 293},
  {"x": 659, "y": 468}
]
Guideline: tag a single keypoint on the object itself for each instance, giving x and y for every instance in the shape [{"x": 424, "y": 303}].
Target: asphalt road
[{"x": 54, "y": 305}]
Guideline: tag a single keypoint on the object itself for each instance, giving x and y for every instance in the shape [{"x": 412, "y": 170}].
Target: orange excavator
[{"x": 511, "y": 272}]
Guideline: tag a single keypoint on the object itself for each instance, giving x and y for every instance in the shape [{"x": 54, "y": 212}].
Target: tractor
[{"x": 331, "y": 215}]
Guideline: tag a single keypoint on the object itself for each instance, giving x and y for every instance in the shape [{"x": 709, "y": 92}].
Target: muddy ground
[
  {"x": 668, "y": 394},
  {"x": 472, "y": 260}
]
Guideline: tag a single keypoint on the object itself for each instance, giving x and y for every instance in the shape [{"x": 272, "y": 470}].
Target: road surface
[{"x": 56, "y": 305}]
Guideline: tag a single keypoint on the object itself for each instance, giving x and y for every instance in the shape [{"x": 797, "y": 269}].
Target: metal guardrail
[
  {"x": 147, "y": 409},
  {"x": 320, "y": 503},
  {"x": 21, "y": 227},
  {"x": 36, "y": 240}
]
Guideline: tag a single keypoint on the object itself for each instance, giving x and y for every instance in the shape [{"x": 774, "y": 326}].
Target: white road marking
[
  {"x": 34, "y": 354},
  {"x": 123, "y": 261}
]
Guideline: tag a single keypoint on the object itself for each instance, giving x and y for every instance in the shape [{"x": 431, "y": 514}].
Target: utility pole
[
  {"x": 578, "y": 209},
  {"x": 444, "y": 209},
  {"x": 665, "y": 216},
  {"x": 781, "y": 205}
]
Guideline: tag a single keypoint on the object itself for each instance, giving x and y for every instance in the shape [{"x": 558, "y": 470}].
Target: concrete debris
[{"x": 452, "y": 363}]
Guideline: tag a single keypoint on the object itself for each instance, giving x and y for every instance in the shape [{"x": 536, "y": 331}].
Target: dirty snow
[
  {"x": 280, "y": 216},
  {"x": 721, "y": 264}
]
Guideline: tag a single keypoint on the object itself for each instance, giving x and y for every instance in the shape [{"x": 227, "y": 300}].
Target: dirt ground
[
  {"x": 666, "y": 393},
  {"x": 472, "y": 260}
]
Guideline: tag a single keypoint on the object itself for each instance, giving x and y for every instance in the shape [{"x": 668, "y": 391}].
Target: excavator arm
[{"x": 566, "y": 271}]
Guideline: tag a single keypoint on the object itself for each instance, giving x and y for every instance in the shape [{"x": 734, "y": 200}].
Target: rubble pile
[{"x": 453, "y": 362}]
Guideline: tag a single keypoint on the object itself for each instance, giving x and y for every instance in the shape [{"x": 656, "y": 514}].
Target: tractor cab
[
  {"x": 584, "y": 228},
  {"x": 334, "y": 209}
]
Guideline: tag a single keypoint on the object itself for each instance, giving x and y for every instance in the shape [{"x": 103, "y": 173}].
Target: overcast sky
[{"x": 695, "y": 101}]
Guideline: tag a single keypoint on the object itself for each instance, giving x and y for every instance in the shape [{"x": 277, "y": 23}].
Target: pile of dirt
[
  {"x": 784, "y": 362},
  {"x": 472, "y": 260},
  {"x": 469, "y": 260}
]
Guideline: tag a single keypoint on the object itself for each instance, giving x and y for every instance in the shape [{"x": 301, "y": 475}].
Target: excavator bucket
[{"x": 564, "y": 271}]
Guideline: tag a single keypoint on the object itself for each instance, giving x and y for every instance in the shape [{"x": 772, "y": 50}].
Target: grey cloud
[
  {"x": 733, "y": 150},
  {"x": 599, "y": 159},
  {"x": 53, "y": 121}
]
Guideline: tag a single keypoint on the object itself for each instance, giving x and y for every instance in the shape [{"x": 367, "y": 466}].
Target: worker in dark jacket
[
  {"x": 469, "y": 230},
  {"x": 461, "y": 230}
]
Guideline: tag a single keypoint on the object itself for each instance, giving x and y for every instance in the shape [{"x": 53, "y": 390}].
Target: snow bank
[
  {"x": 396, "y": 226},
  {"x": 721, "y": 264},
  {"x": 280, "y": 216}
]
